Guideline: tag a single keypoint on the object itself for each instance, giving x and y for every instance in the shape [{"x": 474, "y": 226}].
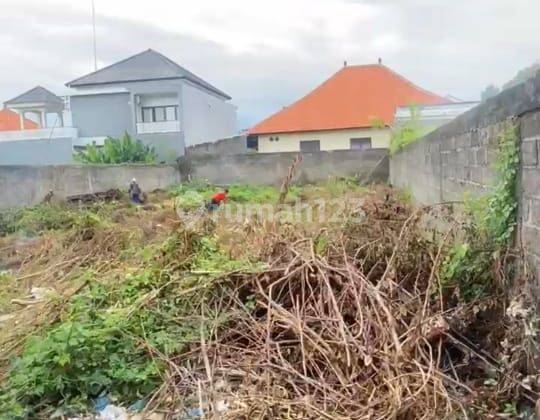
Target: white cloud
[{"x": 268, "y": 53}]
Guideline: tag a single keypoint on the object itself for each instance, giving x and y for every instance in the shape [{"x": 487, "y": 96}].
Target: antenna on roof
[
  {"x": 345, "y": 63},
  {"x": 94, "y": 34},
  {"x": 380, "y": 61}
]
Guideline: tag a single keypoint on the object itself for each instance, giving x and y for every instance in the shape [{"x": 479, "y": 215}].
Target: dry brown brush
[{"x": 358, "y": 327}]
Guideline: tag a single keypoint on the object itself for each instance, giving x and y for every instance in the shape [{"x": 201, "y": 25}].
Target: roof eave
[
  {"x": 215, "y": 90},
  {"x": 306, "y": 130}
]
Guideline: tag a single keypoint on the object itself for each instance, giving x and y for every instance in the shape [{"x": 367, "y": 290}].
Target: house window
[
  {"x": 160, "y": 113},
  {"x": 310, "y": 146},
  {"x": 252, "y": 142},
  {"x": 363, "y": 143},
  {"x": 147, "y": 114}
]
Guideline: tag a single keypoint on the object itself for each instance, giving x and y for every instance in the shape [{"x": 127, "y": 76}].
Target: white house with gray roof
[
  {"x": 47, "y": 141},
  {"x": 154, "y": 100},
  {"x": 38, "y": 102},
  {"x": 148, "y": 95}
]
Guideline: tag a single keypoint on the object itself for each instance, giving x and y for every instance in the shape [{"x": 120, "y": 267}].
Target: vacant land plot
[{"x": 336, "y": 304}]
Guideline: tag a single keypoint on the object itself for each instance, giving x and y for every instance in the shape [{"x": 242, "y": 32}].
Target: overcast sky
[{"x": 266, "y": 54}]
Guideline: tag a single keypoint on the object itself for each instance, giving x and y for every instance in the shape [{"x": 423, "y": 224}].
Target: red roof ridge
[
  {"x": 428, "y": 92},
  {"x": 351, "y": 98}
]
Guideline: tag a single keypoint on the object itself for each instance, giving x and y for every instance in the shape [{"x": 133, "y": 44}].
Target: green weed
[
  {"x": 35, "y": 220},
  {"x": 409, "y": 132},
  {"x": 259, "y": 194},
  {"x": 491, "y": 220},
  {"x": 8, "y": 289},
  {"x": 105, "y": 341}
]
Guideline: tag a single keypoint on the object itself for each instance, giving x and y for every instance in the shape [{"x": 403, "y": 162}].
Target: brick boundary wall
[
  {"x": 530, "y": 186},
  {"x": 457, "y": 159},
  {"x": 270, "y": 168},
  {"x": 28, "y": 185}
]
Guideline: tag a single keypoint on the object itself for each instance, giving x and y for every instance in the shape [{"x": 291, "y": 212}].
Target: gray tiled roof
[
  {"x": 148, "y": 65},
  {"x": 36, "y": 95}
]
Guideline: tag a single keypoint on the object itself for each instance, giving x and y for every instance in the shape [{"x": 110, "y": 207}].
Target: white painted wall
[
  {"x": 39, "y": 134},
  {"x": 329, "y": 140},
  {"x": 205, "y": 117}
]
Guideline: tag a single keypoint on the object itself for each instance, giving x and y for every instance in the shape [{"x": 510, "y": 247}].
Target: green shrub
[
  {"x": 77, "y": 360},
  {"x": 190, "y": 200},
  {"x": 489, "y": 226},
  {"x": 44, "y": 217},
  {"x": 8, "y": 221},
  {"x": 237, "y": 193},
  {"x": 253, "y": 194},
  {"x": 114, "y": 151},
  {"x": 197, "y": 185},
  {"x": 409, "y": 132},
  {"x": 105, "y": 341}
]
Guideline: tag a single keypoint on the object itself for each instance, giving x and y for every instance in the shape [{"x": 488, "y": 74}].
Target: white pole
[{"x": 94, "y": 34}]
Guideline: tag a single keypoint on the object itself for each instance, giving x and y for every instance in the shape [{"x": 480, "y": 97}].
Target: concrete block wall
[
  {"x": 530, "y": 186},
  {"x": 422, "y": 165},
  {"x": 446, "y": 166},
  {"x": 28, "y": 185},
  {"x": 271, "y": 168},
  {"x": 230, "y": 146},
  {"x": 458, "y": 158}
]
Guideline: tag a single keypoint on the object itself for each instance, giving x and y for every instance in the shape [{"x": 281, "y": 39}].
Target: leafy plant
[
  {"x": 409, "y": 132},
  {"x": 44, "y": 217},
  {"x": 253, "y": 194},
  {"x": 114, "y": 151},
  {"x": 190, "y": 200},
  {"x": 8, "y": 221},
  {"x": 491, "y": 223},
  {"x": 8, "y": 287},
  {"x": 237, "y": 193},
  {"x": 377, "y": 123},
  {"x": 105, "y": 342},
  {"x": 510, "y": 409},
  {"x": 211, "y": 260},
  {"x": 501, "y": 211}
]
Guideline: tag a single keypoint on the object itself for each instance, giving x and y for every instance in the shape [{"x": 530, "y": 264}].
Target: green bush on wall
[
  {"x": 118, "y": 150},
  {"x": 409, "y": 132}
]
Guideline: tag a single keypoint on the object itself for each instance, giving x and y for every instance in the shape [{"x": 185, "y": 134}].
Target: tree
[
  {"x": 523, "y": 75},
  {"x": 489, "y": 92}
]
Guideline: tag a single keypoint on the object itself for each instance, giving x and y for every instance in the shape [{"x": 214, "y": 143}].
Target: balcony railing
[{"x": 158, "y": 127}]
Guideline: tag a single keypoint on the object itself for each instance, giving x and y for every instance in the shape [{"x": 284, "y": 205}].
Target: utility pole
[{"x": 94, "y": 34}]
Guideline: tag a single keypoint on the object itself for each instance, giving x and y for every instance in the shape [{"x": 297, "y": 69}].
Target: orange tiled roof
[
  {"x": 9, "y": 121},
  {"x": 356, "y": 96}
]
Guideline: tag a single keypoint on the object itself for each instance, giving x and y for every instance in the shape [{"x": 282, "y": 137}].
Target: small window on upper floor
[
  {"x": 147, "y": 115},
  {"x": 363, "y": 143},
  {"x": 170, "y": 113},
  {"x": 160, "y": 113}
]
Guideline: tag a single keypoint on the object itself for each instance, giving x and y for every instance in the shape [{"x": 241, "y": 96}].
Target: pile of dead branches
[{"x": 358, "y": 328}]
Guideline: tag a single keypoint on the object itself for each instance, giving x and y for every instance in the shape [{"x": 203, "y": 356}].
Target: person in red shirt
[{"x": 217, "y": 199}]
